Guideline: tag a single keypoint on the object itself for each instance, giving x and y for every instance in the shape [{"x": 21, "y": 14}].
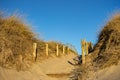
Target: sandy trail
[{"x": 49, "y": 69}]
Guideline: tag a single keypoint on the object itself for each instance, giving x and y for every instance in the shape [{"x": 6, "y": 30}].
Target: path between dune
[{"x": 49, "y": 69}]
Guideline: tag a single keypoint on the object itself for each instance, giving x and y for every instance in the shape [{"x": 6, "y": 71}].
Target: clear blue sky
[{"x": 67, "y": 21}]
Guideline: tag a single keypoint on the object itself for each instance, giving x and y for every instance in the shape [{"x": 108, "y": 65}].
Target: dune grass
[
  {"x": 16, "y": 38},
  {"x": 106, "y": 52},
  {"x": 16, "y": 43}
]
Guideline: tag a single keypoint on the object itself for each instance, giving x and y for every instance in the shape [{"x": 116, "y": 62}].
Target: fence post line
[
  {"x": 34, "y": 51},
  {"x": 57, "y": 50},
  {"x": 46, "y": 49}
]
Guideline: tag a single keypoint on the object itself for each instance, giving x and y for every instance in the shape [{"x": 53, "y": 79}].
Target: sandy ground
[
  {"x": 109, "y": 73},
  {"x": 49, "y": 69}
]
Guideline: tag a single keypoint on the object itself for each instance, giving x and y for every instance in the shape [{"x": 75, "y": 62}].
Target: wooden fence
[
  {"x": 86, "y": 47},
  {"x": 65, "y": 50}
]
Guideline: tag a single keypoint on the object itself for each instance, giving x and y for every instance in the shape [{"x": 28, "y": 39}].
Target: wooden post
[
  {"x": 57, "y": 50},
  {"x": 63, "y": 49},
  {"x": 86, "y": 48},
  {"x": 19, "y": 62},
  {"x": 68, "y": 50},
  {"x": 90, "y": 47},
  {"x": 46, "y": 49},
  {"x": 34, "y": 51},
  {"x": 83, "y": 51}
]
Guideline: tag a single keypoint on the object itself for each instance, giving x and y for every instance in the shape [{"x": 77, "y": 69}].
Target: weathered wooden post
[
  {"x": 83, "y": 51},
  {"x": 19, "y": 62},
  {"x": 63, "y": 49},
  {"x": 57, "y": 50},
  {"x": 86, "y": 48},
  {"x": 34, "y": 51},
  {"x": 46, "y": 49},
  {"x": 90, "y": 47},
  {"x": 68, "y": 50}
]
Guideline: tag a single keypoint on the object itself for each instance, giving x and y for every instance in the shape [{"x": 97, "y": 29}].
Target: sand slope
[
  {"x": 109, "y": 73},
  {"x": 49, "y": 69}
]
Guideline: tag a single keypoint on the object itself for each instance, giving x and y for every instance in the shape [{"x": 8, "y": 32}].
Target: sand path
[{"x": 49, "y": 69}]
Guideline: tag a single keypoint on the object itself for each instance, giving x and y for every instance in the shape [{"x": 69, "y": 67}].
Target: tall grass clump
[
  {"x": 16, "y": 41},
  {"x": 109, "y": 43}
]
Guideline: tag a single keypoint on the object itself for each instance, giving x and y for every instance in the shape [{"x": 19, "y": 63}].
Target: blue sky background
[{"x": 67, "y": 21}]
